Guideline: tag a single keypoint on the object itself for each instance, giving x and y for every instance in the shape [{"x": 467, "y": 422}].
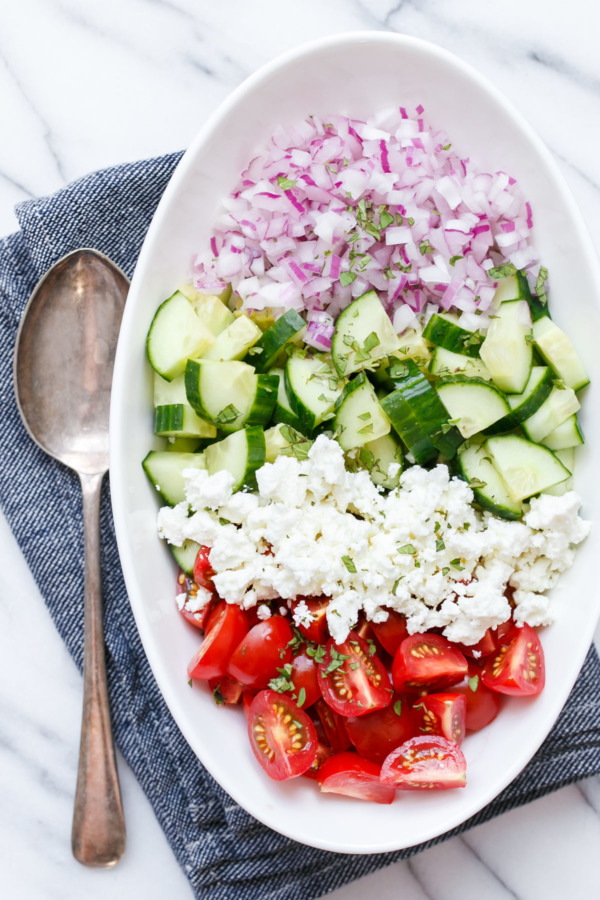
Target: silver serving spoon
[{"x": 63, "y": 366}]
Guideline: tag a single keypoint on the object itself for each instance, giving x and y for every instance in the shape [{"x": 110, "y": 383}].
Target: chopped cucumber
[
  {"x": 165, "y": 471},
  {"x": 558, "y": 351},
  {"x": 489, "y": 490},
  {"x": 526, "y": 468},
  {"x": 210, "y": 308},
  {"x": 409, "y": 428},
  {"x": 185, "y": 445},
  {"x": 413, "y": 346},
  {"x": 560, "y": 404},
  {"x": 235, "y": 341},
  {"x": 567, "y": 458},
  {"x": 377, "y": 456},
  {"x": 223, "y": 392},
  {"x": 359, "y": 417},
  {"x": 288, "y": 329},
  {"x": 185, "y": 556},
  {"x": 507, "y": 350},
  {"x": 564, "y": 436},
  {"x": 472, "y": 404},
  {"x": 446, "y": 362},
  {"x": 173, "y": 415},
  {"x": 444, "y": 331},
  {"x": 241, "y": 453},
  {"x": 516, "y": 287},
  {"x": 283, "y": 411},
  {"x": 264, "y": 401},
  {"x": 283, "y": 440},
  {"x": 363, "y": 334},
  {"x": 175, "y": 335},
  {"x": 312, "y": 387},
  {"x": 537, "y": 390}
]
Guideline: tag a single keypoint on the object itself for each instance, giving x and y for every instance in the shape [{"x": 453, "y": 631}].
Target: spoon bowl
[{"x": 63, "y": 366}]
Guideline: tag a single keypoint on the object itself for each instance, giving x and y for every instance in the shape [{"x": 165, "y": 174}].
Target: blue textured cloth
[{"x": 224, "y": 852}]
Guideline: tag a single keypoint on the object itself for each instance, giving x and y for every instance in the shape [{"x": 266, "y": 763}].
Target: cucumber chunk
[
  {"x": 536, "y": 392},
  {"x": 176, "y": 334},
  {"x": 507, "y": 350},
  {"x": 444, "y": 331},
  {"x": 284, "y": 413},
  {"x": 210, "y": 308},
  {"x": 165, "y": 471},
  {"x": 413, "y": 346},
  {"x": 173, "y": 415},
  {"x": 526, "y": 468},
  {"x": 185, "y": 556},
  {"x": 560, "y": 404},
  {"x": 241, "y": 453},
  {"x": 363, "y": 334},
  {"x": 222, "y": 392},
  {"x": 558, "y": 351},
  {"x": 516, "y": 287},
  {"x": 283, "y": 440},
  {"x": 567, "y": 458},
  {"x": 312, "y": 386},
  {"x": 564, "y": 436},
  {"x": 235, "y": 340},
  {"x": 446, "y": 362},
  {"x": 185, "y": 445},
  {"x": 289, "y": 328},
  {"x": 472, "y": 405},
  {"x": 489, "y": 490},
  {"x": 359, "y": 417},
  {"x": 264, "y": 401},
  {"x": 377, "y": 456},
  {"x": 409, "y": 428}
]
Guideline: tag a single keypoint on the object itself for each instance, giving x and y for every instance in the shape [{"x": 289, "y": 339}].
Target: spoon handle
[{"x": 98, "y": 835}]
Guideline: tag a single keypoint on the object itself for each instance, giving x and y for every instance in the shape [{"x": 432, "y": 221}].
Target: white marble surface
[{"x": 85, "y": 85}]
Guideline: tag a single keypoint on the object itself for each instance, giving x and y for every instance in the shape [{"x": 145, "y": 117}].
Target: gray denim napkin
[{"x": 225, "y": 853}]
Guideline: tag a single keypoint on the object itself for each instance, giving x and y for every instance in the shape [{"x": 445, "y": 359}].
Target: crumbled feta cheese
[
  {"x": 263, "y": 612},
  {"x": 302, "y": 615},
  {"x": 315, "y": 529}
]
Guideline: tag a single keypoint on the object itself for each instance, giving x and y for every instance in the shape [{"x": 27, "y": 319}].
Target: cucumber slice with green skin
[
  {"x": 185, "y": 445},
  {"x": 507, "y": 350},
  {"x": 235, "y": 341},
  {"x": 536, "y": 392},
  {"x": 560, "y": 404},
  {"x": 446, "y": 362},
  {"x": 222, "y": 392},
  {"x": 176, "y": 334},
  {"x": 556, "y": 349},
  {"x": 567, "y": 435},
  {"x": 516, "y": 287},
  {"x": 283, "y": 440},
  {"x": 210, "y": 308},
  {"x": 363, "y": 334},
  {"x": 283, "y": 411},
  {"x": 526, "y": 468},
  {"x": 429, "y": 411},
  {"x": 377, "y": 456},
  {"x": 413, "y": 434},
  {"x": 443, "y": 331},
  {"x": 180, "y": 420},
  {"x": 489, "y": 490},
  {"x": 414, "y": 346},
  {"x": 185, "y": 556},
  {"x": 289, "y": 328},
  {"x": 312, "y": 386},
  {"x": 473, "y": 404},
  {"x": 567, "y": 458},
  {"x": 264, "y": 401},
  {"x": 165, "y": 471},
  {"x": 359, "y": 417},
  {"x": 241, "y": 453}
]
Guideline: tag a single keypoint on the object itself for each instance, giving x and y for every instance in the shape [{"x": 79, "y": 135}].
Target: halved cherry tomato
[
  {"x": 443, "y": 714},
  {"x": 432, "y": 763},
  {"x": 482, "y": 648},
  {"x": 305, "y": 678},
  {"x": 187, "y": 586},
  {"x": 228, "y": 625},
  {"x": 323, "y": 753},
  {"x": 378, "y": 733},
  {"x": 427, "y": 661},
  {"x": 334, "y": 727},
  {"x": 282, "y": 736},
  {"x": 392, "y": 632},
  {"x": 348, "y": 774},
  {"x": 483, "y": 705},
  {"x": 248, "y": 696},
  {"x": 261, "y": 652},
  {"x": 517, "y": 667},
  {"x": 203, "y": 571},
  {"x": 317, "y": 631},
  {"x": 226, "y": 690},
  {"x": 353, "y": 681}
]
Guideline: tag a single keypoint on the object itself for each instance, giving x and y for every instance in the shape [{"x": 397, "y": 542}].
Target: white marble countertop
[{"x": 86, "y": 85}]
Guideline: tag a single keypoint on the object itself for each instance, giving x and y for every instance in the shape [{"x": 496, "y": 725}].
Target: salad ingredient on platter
[{"x": 371, "y": 424}]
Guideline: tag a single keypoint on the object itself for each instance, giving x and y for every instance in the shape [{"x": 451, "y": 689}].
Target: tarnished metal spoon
[{"x": 63, "y": 366}]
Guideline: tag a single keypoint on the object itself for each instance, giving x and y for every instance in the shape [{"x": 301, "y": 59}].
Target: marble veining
[{"x": 84, "y": 86}]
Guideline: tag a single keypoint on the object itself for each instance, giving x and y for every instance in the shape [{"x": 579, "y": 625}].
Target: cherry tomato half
[
  {"x": 425, "y": 763},
  {"x": 353, "y": 680},
  {"x": 427, "y": 661},
  {"x": 305, "y": 679},
  {"x": 261, "y": 652},
  {"x": 348, "y": 774},
  {"x": 323, "y": 753},
  {"x": 203, "y": 571},
  {"x": 392, "y": 632},
  {"x": 483, "y": 705},
  {"x": 317, "y": 631},
  {"x": 486, "y": 645},
  {"x": 443, "y": 714},
  {"x": 517, "y": 667},
  {"x": 334, "y": 727},
  {"x": 282, "y": 736},
  {"x": 226, "y": 690},
  {"x": 378, "y": 733},
  {"x": 227, "y": 626}
]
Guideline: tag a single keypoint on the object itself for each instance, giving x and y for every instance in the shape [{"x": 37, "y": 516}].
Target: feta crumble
[{"x": 421, "y": 549}]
